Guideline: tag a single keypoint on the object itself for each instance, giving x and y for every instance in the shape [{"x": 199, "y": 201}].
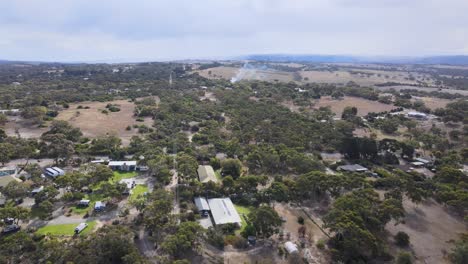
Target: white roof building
[
  {"x": 122, "y": 163},
  {"x": 290, "y": 247},
  {"x": 223, "y": 211},
  {"x": 202, "y": 204}
]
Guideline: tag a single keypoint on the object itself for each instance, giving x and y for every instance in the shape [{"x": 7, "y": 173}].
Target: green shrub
[{"x": 402, "y": 239}]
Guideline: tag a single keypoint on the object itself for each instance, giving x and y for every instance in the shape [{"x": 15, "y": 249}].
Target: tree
[
  {"x": 58, "y": 146},
  {"x": 63, "y": 127},
  {"x": 231, "y": 167},
  {"x": 106, "y": 145},
  {"x": 404, "y": 258},
  {"x": 157, "y": 214},
  {"x": 459, "y": 254},
  {"x": 101, "y": 173},
  {"x": 356, "y": 219},
  {"x": 187, "y": 165},
  {"x": 18, "y": 213},
  {"x": 402, "y": 239},
  {"x": 278, "y": 191},
  {"x": 108, "y": 245},
  {"x": 183, "y": 240},
  {"x": 265, "y": 220},
  {"x": 15, "y": 190},
  {"x": 6, "y": 152},
  {"x": 35, "y": 113},
  {"x": 349, "y": 113},
  {"x": 3, "y": 119}
]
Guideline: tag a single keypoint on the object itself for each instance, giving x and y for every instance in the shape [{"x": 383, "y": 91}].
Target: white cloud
[{"x": 155, "y": 29}]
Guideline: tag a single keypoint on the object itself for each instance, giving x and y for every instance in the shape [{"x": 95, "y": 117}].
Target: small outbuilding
[
  {"x": 99, "y": 206},
  {"x": 84, "y": 203},
  {"x": 80, "y": 228},
  {"x": 37, "y": 190},
  {"x": 290, "y": 247},
  {"x": 54, "y": 172},
  {"x": 206, "y": 174},
  {"x": 352, "y": 168},
  {"x": 202, "y": 204}
]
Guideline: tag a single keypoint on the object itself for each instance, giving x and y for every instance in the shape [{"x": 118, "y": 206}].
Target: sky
[{"x": 145, "y": 30}]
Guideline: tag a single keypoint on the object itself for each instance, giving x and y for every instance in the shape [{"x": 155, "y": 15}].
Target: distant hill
[{"x": 453, "y": 60}]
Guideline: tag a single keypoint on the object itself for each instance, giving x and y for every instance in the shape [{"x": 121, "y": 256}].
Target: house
[
  {"x": 54, "y": 172},
  {"x": 80, "y": 228},
  {"x": 223, "y": 211},
  {"x": 37, "y": 190},
  {"x": 84, "y": 203},
  {"x": 129, "y": 165},
  {"x": 99, "y": 206},
  {"x": 352, "y": 168},
  {"x": 206, "y": 174},
  {"x": 7, "y": 175}
]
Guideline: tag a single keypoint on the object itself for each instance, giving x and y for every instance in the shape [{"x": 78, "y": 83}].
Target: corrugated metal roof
[
  {"x": 206, "y": 173},
  {"x": 121, "y": 163},
  {"x": 202, "y": 204},
  {"x": 223, "y": 211}
]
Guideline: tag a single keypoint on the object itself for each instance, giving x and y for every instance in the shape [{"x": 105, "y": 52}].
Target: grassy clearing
[
  {"x": 93, "y": 197},
  {"x": 243, "y": 213},
  {"x": 137, "y": 191},
  {"x": 65, "y": 229},
  {"x": 119, "y": 175}
]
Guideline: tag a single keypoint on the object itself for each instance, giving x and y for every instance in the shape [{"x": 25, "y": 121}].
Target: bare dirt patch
[
  {"x": 431, "y": 229},
  {"x": 93, "y": 123},
  {"x": 364, "y": 76},
  {"x": 432, "y": 102},
  {"x": 16, "y": 125},
  {"x": 364, "y": 106}
]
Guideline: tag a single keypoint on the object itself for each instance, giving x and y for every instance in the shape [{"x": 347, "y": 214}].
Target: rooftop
[
  {"x": 353, "y": 168},
  {"x": 202, "y": 204},
  {"x": 206, "y": 173},
  {"x": 223, "y": 211},
  {"x": 121, "y": 163}
]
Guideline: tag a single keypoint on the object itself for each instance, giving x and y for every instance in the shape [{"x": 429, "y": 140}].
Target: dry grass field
[
  {"x": 431, "y": 229},
  {"x": 364, "y": 106},
  {"x": 16, "y": 125},
  {"x": 432, "y": 102},
  {"x": 363, "y": 77},
  {"x": 94, "y": 123}
]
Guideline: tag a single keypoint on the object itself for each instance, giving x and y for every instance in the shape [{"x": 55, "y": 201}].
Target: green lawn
[
  {"x": 138, "y": 190},
  {"x": 243, "y": 213},
  {"x": 65, "y": 229},
  {"x": 119, "y": 175},
  {"x": 93, "y": 197}
]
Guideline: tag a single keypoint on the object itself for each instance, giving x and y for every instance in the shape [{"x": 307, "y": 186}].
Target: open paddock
[
  {"x": 93, "y": 123},
  {"x": 364, "y": 106}
]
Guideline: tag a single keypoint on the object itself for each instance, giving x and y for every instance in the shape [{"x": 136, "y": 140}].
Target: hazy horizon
[{"x": 144, "y": 30}]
